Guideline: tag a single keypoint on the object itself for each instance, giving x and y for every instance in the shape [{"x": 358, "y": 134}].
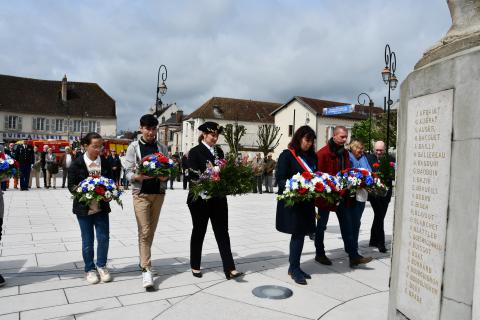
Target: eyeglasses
[{"x": 96, "y": 147}]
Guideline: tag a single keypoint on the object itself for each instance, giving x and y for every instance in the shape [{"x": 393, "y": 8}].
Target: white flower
[
  {"x": 115, "y": 192},
  {"x": 146, "y": 163},
  {"x": 91, "y": 187},
  {"x": 152, "y": 165},
  {"x": 79, "y": 189},
  {"x": 216, "y": 169},
  {"x": 10, "y": 161},
  {"x": 88, "y": 196},
  {"x": 108, "y": 194},
  {"x": 294, "y": 185}
]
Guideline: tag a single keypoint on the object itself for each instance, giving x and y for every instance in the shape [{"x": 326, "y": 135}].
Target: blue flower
[
  {"x": 368, "y": 180},
  {"x": 84, "y": 189}
]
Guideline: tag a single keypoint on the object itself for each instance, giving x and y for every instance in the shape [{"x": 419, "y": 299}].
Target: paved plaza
[{"x": 42, "y": 263}]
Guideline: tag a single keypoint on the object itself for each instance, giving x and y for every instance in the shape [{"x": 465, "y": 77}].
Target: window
[
  {"x": 171, "y": 136},
  {"x": 77, "y": 124},
  {"x": 40, "y": 124},
  {"x": 58, "y": 125},
  {"x": 92, "y": 126},
  {"x": 13, "y": 123},
  {"x": 290, "y": 130}
]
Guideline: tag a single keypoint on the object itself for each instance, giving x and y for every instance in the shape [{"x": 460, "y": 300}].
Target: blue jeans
[
  {"x": 100, "y": 222},
  {"x": 344, "y": 216},
  {"x": 356, "y": 213},
  {"x": 296, "y": 247}
]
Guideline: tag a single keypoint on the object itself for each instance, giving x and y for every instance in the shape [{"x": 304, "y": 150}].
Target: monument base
[{"x": 436, "y": 265}]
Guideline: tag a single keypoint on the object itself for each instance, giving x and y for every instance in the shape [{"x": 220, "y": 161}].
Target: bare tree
[
  {"x": 268, "y": 138},
  {"x": 233, "y": 133}
]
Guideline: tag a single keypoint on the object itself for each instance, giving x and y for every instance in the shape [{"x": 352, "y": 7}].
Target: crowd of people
[{"x": 300, "y": 220}]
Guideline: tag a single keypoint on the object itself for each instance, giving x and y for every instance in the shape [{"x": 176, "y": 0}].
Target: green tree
[
  {"x": 267, "y": 138},
  {"x": 361, "y": 129},
  {"x": 233, "y": 133}
]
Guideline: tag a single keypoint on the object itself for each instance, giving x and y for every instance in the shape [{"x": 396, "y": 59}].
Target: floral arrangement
[
  {"x": 97, "y": 189},
  {"x": 231, "y": 176},
  {"x": 157, "y": 165},
  {"x": 307, "y": 186},
  {"x": 353, "y": 179},
  {"x": 8, "y": 166},
  {"x": 385, "y": 169}
]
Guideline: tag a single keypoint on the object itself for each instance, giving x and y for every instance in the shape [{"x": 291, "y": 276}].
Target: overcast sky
[{"x": 268, "y": 50}]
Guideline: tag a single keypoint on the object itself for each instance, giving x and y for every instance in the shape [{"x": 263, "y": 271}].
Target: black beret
[{"x": 211, "y": 126}]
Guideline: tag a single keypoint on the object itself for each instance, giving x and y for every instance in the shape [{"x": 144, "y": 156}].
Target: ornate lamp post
[
  {"x": 388, "y": 76},
  {"x": 370, "y": 106},
  {"x": 161, "y": 89}
]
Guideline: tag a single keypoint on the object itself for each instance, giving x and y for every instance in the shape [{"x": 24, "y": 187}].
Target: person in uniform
[{"x": 214, "y": 209}]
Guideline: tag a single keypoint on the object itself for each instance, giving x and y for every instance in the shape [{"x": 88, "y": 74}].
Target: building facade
[
  {"x": 300, "y": 111},
  {"x": 60, "y": 110},
  {"x": 249, "y": 113}
]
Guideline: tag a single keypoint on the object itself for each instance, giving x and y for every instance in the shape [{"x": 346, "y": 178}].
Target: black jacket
[
  {"x": 300, "y": 218},
  {"x": 198, "y": 157},
  {"x": 24, "y": 154},
  {"x": 77, "y": 173}
]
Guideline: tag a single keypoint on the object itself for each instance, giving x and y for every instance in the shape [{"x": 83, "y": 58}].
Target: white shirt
[
  {"x": 94, "y": 167},
  {"x": 212, "y": 150},
  {"x": 68, "y": 160}
]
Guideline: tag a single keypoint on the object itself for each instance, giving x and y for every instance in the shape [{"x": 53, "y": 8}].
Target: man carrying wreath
[{"x": 148, "y": 192}]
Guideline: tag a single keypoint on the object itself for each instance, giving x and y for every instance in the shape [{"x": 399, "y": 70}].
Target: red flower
[
  {"x": 2, "y": 155},
  {"x": 364, "y": 172},
  {"x": 147, "y": 158},
  {"x": 392, "y": 164},
  {"x": 162, "y": 159},
  {"x": 100, "y": 190},
  {"x": 319, "y": 187},
  {"x": 376, "y": 165},
  {"x": 307, "y": 175},
  {"x": 302, "y": 190}
]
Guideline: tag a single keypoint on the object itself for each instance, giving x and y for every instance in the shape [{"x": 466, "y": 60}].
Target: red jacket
[{"x": 328, "y": 162}]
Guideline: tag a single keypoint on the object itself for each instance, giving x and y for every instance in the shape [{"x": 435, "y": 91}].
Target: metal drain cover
[{"x": 272, "y": 292}]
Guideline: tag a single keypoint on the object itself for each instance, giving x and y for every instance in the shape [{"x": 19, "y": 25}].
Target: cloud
[{"x": 265, "y": 50}]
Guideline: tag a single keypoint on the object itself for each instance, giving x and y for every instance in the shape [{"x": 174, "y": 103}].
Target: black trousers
[
  {"x": 45, "y": 184},
  {"x": 377, "y": 233},
  {"x": 215, "y": 210}
]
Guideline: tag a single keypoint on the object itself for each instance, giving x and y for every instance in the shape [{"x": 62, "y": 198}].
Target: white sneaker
[
  {"x": 104, "y": 274},
  {"x": 92, "y": 277},
  {"x": 147, "y": 279}
]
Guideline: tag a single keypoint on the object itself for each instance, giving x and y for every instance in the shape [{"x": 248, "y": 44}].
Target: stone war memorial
[{"x": 436, "y": 248}]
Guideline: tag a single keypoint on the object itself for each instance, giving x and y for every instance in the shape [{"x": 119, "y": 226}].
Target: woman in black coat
[
  {"x": 215, "y": 208},
  {"x": 94, "y": 217},
  {"x": 298, "y": 220}
]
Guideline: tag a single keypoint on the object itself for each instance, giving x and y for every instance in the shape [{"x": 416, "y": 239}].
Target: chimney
[
  {"x": 64, "y": 88},
  {"x": 179, "y": 116}
]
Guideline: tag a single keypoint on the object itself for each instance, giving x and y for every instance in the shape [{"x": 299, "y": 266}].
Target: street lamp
[
  {"x": 161, "y": 88},
  {"x": 388, "y": 76},
  {"x": 370, "y": 106}
]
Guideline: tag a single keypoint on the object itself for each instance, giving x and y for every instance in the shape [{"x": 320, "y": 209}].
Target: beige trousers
[
  {"x": 147, "y": 211},
  {"x": 34, "y": 174}
]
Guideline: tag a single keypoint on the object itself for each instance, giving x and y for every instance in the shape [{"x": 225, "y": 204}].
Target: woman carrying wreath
[
  {"x": 214, "y": 209},
  {"x": 298, "y": 220},
  {"x": 93, "y": 218}
]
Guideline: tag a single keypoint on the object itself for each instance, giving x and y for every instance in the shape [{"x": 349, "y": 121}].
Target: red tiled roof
[
  {"x": 34, "y": 96},
  {"x": 236, "y": 110}
]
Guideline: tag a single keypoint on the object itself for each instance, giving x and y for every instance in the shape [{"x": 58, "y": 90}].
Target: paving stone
[
  {"x": 69, "y": 309},
  {"x": 32, "y": 301},
  {"x": 203, "y": 306},
  {"x": 160, "y": 294},
  {"x": 313, "y": 304},
  {"x": 138, "y": 311},
  {"x": 10, "y": 316},
  {"x": 371, "y": 307}
]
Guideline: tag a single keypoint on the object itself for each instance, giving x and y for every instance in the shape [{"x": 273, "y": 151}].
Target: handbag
[{"x": 53, "y": 168}]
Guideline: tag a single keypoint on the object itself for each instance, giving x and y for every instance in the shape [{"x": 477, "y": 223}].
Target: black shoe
[
  {"x": 382, "y": 249},
  {"x": 2, "y": 281},
  {"x": 298, "y": 277},
  {"x": 372, "y": 244},
  {"x": 197, "y": 274},
  {"x": 361, "y": 260},
  {"x": 304, "y": 274},
  {"x": 311, "y": 236},
  {"x": 323, "y": 260},
  {"x": 229, "y": 275}
]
